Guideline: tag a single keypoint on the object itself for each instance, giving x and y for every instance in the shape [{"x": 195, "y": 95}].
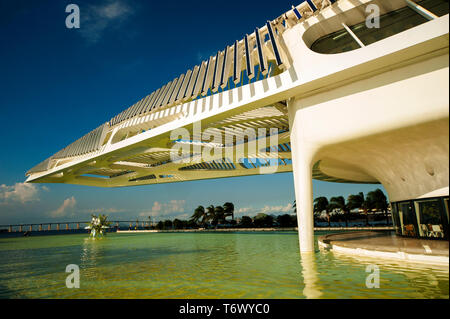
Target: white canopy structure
[{"x": 322, "y": 91}]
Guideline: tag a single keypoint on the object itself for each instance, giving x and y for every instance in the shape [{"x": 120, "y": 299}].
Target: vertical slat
[
  {"x": 187, "y": 79},
  {"x": 248, "y": 58},
  {"x": 169, "y": 92},
  {"x": 236, "y": 63},
  {"x": 174, "y": 94},
  {"x": 163, "y": 95},
  {"x": 297, "y": 14},
  {"x": 76, "y": 149},
  {"x": 87, "y": 143},
  {"x": 151, "y": 102},
  {"x": 274, "y": 44},
  {"x": 262, "y": 60},
  {"x": 226, "y": 62},
  {"x": 128, "y": 112},
  {"x": 312, "y": 5},
  {"x": 145, "y": 103},
  {"x": 139, "y": 106},
  {"x": 192, "y": 82},
  {"x": 158, "y": 98},
  {"x": 121, "y": 114},
  {"x": 207, "y": 78},
  {"x": 136, "y": 108},
  {"x": 216, "y": 78},
  {"x": 95, "y": 138},
  {"x": 198, "y": 80},
  {"x": 91, "y": 141}
]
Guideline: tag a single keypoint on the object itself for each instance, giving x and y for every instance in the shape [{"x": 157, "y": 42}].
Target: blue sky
[{"x": 57, "y": 84}]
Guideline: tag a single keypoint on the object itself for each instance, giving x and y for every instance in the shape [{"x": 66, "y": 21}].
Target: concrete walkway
[{"x": 386, "y": 244}]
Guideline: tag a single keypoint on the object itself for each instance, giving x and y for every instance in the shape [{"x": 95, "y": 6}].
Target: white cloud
[
  {"x": 95, "y": 19},
  {"x": 20, "y": 192},
  {"x": 276, "y": 209},
  {"x": 103, "y": 210},
  {"x": 67, "y": 207},
  {"x": 173, "y": 208}
]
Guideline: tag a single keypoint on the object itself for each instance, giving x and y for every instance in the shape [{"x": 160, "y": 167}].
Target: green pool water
[{"x": 201, "y": 265}]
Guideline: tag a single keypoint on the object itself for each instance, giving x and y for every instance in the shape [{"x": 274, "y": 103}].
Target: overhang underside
[{"x": 222, "y": 148}]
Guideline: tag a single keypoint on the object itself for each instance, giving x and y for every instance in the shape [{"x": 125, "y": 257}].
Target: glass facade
[
  {"x": 390, "y": 24},
  {"x": 422, "y": 218}
]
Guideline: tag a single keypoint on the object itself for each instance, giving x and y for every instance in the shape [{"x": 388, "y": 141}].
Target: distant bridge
[{"x": 61, "y": 226}]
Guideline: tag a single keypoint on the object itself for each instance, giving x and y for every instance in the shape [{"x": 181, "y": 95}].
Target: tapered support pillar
[{"x": 302, "y": 160}]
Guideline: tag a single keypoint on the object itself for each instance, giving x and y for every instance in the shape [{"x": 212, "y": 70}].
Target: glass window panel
[
  {"x": 336, "y": 42},
  {"x": 390, "y": 24},
  {"x": 429, "y": 218},
  {"x": 408, "y": 219},
  {"x": 396, "y": 220},
  {"x": 446, "y": 208},
  {"x": 438, "y": 7}
]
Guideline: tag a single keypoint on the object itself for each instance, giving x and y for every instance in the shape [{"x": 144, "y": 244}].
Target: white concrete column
[{"x": 302, "y": 160}]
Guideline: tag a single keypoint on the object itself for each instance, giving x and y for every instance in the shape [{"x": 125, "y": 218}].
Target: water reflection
[
  {"x": 91, "y": 253},
  {"x": 310, "y": 275},
  {"x": 423, "y": 280},
  {"x": 202, "y": 265}
]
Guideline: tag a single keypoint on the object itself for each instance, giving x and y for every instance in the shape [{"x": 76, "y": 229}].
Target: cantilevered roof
[{"x": 237, "y": 90}]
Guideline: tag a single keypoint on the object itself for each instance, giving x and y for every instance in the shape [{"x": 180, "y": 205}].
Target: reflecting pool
[{"x": 201, "y": 265}]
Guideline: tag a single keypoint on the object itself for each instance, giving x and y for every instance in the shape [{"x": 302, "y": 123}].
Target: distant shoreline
[{"x": 272, "y": 229}]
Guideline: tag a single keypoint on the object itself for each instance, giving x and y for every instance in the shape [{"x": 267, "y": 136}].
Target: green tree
[
  {"x": 210, "y": 215},
  {"x": 263, "y": 220},
  {"x": 360, "y": 202},
  {"x": 285, "y": 220},
  {"x": 377, "y": 200},
  {"x": 246, "y": 222},
  {"x": 339, "y": 203},
  {"x": 321, "y": 204},
  {"x": 178, "y": 224},
  {"x": 229, "y": 210},
  {"x": 199, "y": 215},
  {"x": 168, "y": 224},
  {"x": 219, "y": 215},
  {"x": 160, "y": 225}
]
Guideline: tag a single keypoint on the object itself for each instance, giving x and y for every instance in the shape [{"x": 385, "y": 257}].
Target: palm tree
[
  {"x": 199, "y": 214},
  {"x": 321, "y": 204},
  {"x": 229, "y": 210},
  {"x": 378, "y": 200},
  {"x": 219, "y": 215},
  {"x": 359, "y": 201},
  {"x": 339, "y": 202},
  {"x": 210, "y": 214}
]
